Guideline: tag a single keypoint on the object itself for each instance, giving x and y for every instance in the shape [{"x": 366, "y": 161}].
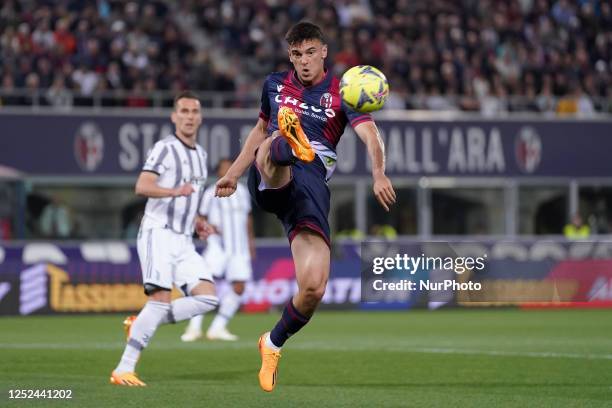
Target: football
[{"x": 364, "y": 88}]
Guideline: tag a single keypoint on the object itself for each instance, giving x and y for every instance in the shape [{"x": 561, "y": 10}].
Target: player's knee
[
  {"x": 158, "y": 294},
  {"x": 206, "y": 302},
  {"x": 201, "y": 288},
  {"x": 263, "y": 153},
  {"x": 313, "y": 293},
  {"x": 238, "y": 287}
]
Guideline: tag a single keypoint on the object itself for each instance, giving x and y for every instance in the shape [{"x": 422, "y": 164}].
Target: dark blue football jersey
[{"x": 322, "y": 113}]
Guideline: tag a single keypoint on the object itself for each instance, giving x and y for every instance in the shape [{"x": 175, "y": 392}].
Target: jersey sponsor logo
[
  {"x": 288, "y": 100},
  {"x": 89, "y": 146},
  {"x": 326, "y": 100}
]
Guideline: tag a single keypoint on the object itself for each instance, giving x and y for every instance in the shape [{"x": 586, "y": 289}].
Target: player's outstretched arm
[
  {"x": 227, "y": 184},
  {"x": 147, "y": 186},
  {"x": 383, "y": 190}
]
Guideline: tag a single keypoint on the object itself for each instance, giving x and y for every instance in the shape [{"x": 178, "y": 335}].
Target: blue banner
[{"x": 111, "y": 145}]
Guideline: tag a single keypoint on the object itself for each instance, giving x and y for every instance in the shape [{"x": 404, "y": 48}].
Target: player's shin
[
  {"x": 189, "y": 306},
  {"x": 195, "y": 323},
  {"x": 229, "y": 305},
  {"x": 150, "y": 317}
]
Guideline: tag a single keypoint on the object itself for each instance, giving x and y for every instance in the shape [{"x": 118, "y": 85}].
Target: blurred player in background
[
  {"x": 229, "y": 253},
  {"x": 303, "y": 112},
  {"x": 173, "y": 179}
]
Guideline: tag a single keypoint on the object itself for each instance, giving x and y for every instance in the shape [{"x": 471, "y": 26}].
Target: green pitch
[{"x": 475, "y": 358}]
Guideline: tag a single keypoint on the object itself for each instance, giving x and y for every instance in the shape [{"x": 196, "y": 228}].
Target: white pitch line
[
  {"x": 320, "y": 346},
  {"x": 536, "y": 354}
]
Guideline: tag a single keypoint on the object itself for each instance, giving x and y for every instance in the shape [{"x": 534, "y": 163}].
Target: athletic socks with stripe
[
  {"x": 281, "y": 152},
  {"x": 290, "y": 323},
  {"x": 152, "y": 315}
]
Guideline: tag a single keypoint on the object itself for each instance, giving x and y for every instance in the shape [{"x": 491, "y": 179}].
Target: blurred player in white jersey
[
  {"x": 228, "y": 252},
  {"x": 173, "y": 179}
]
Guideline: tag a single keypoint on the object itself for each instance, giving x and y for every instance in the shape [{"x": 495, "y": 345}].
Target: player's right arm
[
  {"x": 226, "y": 185},
  {"x": 147, "y": 186}
]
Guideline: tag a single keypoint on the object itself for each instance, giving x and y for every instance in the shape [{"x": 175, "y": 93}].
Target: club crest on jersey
[{"x": 326, "y": 100}]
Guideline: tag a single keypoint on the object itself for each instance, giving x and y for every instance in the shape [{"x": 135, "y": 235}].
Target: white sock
[
  {"x": 227, "y": 309},
  {"x": 271, "y": 345},
  {"x": 189, "y": 306},
  {"x": 143, "y": 328},
  {"x": 195, "y": 323}
]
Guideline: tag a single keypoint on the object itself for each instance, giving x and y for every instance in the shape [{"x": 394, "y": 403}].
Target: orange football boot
[
  {"x": 291, "y": 129},
  {"x": 126, "y": 379},
  {"x": 127, "y": 326},
  {"x": 269, "y": 365}
]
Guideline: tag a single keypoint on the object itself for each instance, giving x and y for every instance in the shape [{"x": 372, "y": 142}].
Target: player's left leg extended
[
  {"x": 311, "y": 256},
  {"x": 157, "y": 311}
]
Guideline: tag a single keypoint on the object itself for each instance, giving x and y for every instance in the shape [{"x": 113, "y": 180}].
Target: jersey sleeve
[
  {"x": 158, "y": 159},
  {"x": 355, "y": 117},
  {"x": 264, "y": 112},
  {"x": 206, "y": 203}
]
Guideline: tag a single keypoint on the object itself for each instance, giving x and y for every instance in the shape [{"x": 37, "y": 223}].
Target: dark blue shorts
[{"x": 301, "y": 204}]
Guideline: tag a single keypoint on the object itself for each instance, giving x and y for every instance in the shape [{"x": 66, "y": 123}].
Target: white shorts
[
  {"x": 235, "y": 268},
  {"x": 168, "y": 258}
]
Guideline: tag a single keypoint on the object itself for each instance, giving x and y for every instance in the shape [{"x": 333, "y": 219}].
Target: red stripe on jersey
[
  {"x": 288, "y": 83},
  {"x": 335, "y": 126},
  {"x": 361, "y": 119},
  {"x": 287, "y": 80},
  {"x": 302, "y": 225},
  {"x": 263, "y": 116}
]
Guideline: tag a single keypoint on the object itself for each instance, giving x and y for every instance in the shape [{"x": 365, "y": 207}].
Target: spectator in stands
[
  {"x": 6, "y": 95},
  {"x": 57, "y": 95},
  {"x": 55, "y": 221},
  {"x": 385, "y": 231},
  {"x": 576, "y": 103},
  {"x": 85, "y": 79},
  {"x": 576, "y": 229},
  {"x": 434, "y": 46}
]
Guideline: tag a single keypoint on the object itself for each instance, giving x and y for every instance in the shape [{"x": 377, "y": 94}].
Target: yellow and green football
[{"x": 364, "y": 88}]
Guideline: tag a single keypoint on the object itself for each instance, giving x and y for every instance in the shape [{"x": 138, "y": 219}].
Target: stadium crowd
[{"x": 491, "y": 56}]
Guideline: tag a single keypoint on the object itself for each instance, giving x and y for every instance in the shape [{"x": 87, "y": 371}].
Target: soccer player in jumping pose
[
  {"x": 173, "y": 179},
  {"x": 293, "y": 149}
]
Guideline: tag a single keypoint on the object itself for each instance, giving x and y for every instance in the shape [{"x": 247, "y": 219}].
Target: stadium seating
[{"x": 492, "y": 57}]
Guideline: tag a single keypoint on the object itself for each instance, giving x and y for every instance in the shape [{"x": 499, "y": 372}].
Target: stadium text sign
[{"x": 102, "y": 144}]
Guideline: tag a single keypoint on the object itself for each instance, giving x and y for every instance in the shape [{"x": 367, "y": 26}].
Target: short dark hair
[
  {"x": 303, "y": 31},
  {"x": 185, "y": 95}
]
